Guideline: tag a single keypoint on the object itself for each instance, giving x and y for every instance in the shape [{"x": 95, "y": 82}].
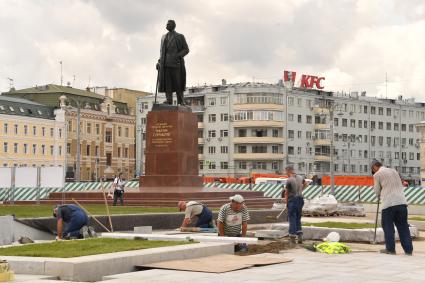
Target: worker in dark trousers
[
  {"x": 76, "y": 221},
  {"x": 194, "y": 209}
]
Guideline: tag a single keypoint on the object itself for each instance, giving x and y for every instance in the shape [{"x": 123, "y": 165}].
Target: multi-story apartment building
[
  {"x": 261, "y": 127},
  {"x": 31, "y": 134},
  {"x": 106, "y": 131}
]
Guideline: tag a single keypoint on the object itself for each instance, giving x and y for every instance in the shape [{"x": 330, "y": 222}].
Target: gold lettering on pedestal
[{"x": 161, "y": 136}]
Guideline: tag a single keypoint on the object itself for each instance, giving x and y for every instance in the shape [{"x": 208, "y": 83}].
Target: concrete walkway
[{"x": 365, "y": 265}]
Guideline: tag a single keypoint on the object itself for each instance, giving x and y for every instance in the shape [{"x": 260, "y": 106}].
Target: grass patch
[
  {"x": 341, "y": 225},
  {"x": 42, "y": 210},
  {"x": 76, "y": 248},
  {"x": 417, "y": 218}
]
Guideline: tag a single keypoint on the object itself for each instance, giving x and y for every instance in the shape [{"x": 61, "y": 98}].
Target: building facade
[
  {"x": 106, "y": 130},
  {"x": 257, "y": 127},
  {"x": 31, "y": 134}
]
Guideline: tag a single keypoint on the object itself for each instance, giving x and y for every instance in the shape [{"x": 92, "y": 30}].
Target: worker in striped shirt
[
  {"x": 389, "y": 189},
  {"x": 233, "y": 220}
]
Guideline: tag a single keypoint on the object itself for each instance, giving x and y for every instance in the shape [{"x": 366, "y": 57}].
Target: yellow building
[
  {"x": 106, "y": 135},
  {"x": 31, "y": 134},
  {"x": 125, "y": 95}
]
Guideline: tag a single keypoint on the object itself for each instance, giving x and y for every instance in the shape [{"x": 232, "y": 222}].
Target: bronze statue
[{"x": 170, "y": 66}]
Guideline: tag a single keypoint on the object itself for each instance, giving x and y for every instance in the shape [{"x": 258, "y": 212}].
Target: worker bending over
[
  {"x": 193, "y": 209},
  {"x": 76, "y": 221}
]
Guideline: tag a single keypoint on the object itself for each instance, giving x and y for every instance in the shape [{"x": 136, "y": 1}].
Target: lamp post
[{"x": 77, "y": 169}]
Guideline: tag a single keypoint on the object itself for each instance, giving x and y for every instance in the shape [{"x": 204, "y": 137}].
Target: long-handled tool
[
  {"x": 276, "y": 217},
  {"x": 156, "y": 88},
  {"x": 376, "y": 219},
  {"x": 95, "y": 219},
  {"x": 107, "y": 206}
]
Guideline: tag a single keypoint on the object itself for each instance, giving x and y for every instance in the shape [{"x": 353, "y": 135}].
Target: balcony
[
  {"x": 201, "y": 157},
  {"x": 258, "y": 156},
  {"x": 322, "y": 157},
  {"x": 197, "y": 108},
  {"x": 321, "y": 110},
  {"x": 277, "y": 140},
  {"x": 258, "y": 123},
  {"x": 201, "y": 141},
  {"x": 321, "y": 126},
  {"x": 321, "y": 141},
  {"x": 258, "y": 107},
  {"x": 200, "y": 125}
]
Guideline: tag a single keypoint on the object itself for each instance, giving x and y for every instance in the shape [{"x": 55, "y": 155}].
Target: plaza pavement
[{"x": 364, "y": 265}]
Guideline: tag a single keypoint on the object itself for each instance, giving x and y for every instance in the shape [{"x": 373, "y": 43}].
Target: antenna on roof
[
  {"x": 60, "y": 62},
  {"x": 73, "y": 82},
  {"x": 11, "y": 86}
]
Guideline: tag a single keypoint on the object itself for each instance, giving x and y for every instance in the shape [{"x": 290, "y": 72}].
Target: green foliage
[
  {"x": 29, "y": 211},
  {"x": 76, "y": 248},
  {"x": 341, "y": 225},
  {"x": 417, "y": 218}
]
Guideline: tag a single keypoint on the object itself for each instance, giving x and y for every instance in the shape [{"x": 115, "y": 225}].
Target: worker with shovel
[
  {"x": 293, "y": 195},
  {"x": 193, "y": 209},
  {"x": 389, "y": 189}
]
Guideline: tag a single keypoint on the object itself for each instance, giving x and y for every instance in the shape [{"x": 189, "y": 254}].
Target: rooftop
[{"x": 23, "y": 107}]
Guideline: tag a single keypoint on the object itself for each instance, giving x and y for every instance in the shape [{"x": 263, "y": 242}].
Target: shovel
[{"x": 276, "y": 217}]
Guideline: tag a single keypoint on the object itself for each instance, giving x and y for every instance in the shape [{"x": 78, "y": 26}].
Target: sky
[{"x": 357, "y": 45}]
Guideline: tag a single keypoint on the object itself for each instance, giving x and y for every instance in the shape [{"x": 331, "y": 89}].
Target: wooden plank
[{"x": 219, "y": 263}]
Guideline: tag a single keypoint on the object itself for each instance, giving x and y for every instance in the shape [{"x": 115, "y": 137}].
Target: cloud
[{"x": 116, "y": 43}]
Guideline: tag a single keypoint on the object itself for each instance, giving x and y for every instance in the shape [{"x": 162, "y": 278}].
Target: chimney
[{"x": 223, "y": 82}]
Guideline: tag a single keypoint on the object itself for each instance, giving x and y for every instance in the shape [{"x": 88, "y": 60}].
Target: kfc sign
[{"x": 307, "y": 81}]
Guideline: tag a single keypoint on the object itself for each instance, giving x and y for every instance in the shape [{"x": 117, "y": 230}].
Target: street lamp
[{"x": 77, "y": 170}]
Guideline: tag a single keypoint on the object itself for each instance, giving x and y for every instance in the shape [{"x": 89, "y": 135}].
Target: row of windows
[
  {"x": 34, "y": 130},
  {"x": 354, "y": 108},
  {"x": 29, "y": 110},
  {"x": 26, "y": 149},
  {"x": 243, "y": 165},
  {"x": 121, "y": 131},
  {"x": 213, "y": 101}
]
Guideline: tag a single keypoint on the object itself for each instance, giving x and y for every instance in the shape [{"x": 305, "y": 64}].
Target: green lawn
[
  {"x": 23, "y": 211},
  {"x": 417, "y": 218},
  {"x": 342, "y": 225},
  {"x": 75, "y": 248}
]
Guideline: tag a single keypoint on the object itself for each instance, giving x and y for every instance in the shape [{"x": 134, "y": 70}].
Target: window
[
  {"x": 299, "y": 134},
  {"x": 69, "y": 126},
  {"x": 373, "y": 110},
  {"x": 15, "y": 147},
  {"x": 5, "y": 128},
  {"x": 360, "y": 124},
  {"x": 259, "y": 165},
  {"x": 34, "y": 149},
  {"x": 291, "y": 134},
  {"x": 126, "y": 152},
  {"x": 108, "y": 136},
  {"x": 403, "y": 127},
  {"x": 108, "y": 159},
  {"x": 300, "y": 120},
  {"x": 242, "y": 149},
  {"x": 290, "y": 150},
  {"x": 43, "y": 149},
  {"x": 275, "y": 133},
  {"x": 336, "y": 122},
  {"x": 5, "y": 147},
  {"x": 68, "y": 148},
  {"x": 365, "y": 124},
  {"x": 373, "y": 125},
  {"x": 224, "y": 165},
  {"x": 352, "y": 123},
  {"x": 396, "y": 128},
  {"x": 51, "y": 149},
  {"x": 88, "y": 150},
  {"x": 119, "y": 131},
  {"x": 51, "y": 132},
  {"x": 224, "y": 117},
  {"x": 211, "y": 118},
  {"x": 388, "y": 126},
  {"x": 211, "y": 102},
  {"x": 365, "y": 109},
  {"x": 290, "y": 101},
  {"x": 126, "y": 132},
  {"x": 309, "y": 119},
  {"x": 43, "y": 131},
  {"x": 224, "y": 149},
  {"x": 223, "y": 100},
  {"x": 388, "y": 111},
  {"x": 275, "y": 149},
  {"x": 290, "y": 117},
  {"x": 211, "y": 134},
  {"x": 224, "y": 133},
  {"x": 211, "y": 165},
  {"x": 25, "y": 130},
  {"x": 88, "y": 128},
  {"x": 275, "y": 165},
  {"x": 145, "y": 105},
  {"x": 380, "y": 111},
  {"x": 242, "y": 165},
  {"x": 299, "y": 101},
  {"x": 344, "y": 122},
  {"x": 242, "y": 132},
  {"x": 16, "y": 129},
  {"x": 34, "y": 130},
  {"x": 308, "y": 135},
  {"x": 97, "y": 129},
  {"x": 25, "y": 148},
  {"x": 411, "y": 128},
  {"x": 259, "y": 149},
  {"x": 380, "y": 125}
]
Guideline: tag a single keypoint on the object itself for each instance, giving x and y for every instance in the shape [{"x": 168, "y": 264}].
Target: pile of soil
[{"x": 272, "y": 247}]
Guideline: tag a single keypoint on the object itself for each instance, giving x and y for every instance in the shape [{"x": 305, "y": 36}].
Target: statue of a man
[{"x": 172, "y": 72}]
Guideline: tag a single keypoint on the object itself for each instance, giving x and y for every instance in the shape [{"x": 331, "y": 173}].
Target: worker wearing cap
[
  {"x": 389, "y": 189},
  {"x": 233, "y": 218},
  {"x": 194, "y": 209},
  {"x": 294, "y": 200}
]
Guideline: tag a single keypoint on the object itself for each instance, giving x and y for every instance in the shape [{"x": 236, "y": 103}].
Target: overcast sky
[{"x": 115, "y": 43}]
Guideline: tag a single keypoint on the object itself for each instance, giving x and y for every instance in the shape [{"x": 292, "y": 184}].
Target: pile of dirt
[{"x": 272, "y": 247}]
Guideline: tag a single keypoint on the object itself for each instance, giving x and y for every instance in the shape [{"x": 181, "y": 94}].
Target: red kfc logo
[{"x": 307, "y": 81}]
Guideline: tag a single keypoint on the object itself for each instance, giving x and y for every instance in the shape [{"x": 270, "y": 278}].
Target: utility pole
[{"x": 11, "y": 86}]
